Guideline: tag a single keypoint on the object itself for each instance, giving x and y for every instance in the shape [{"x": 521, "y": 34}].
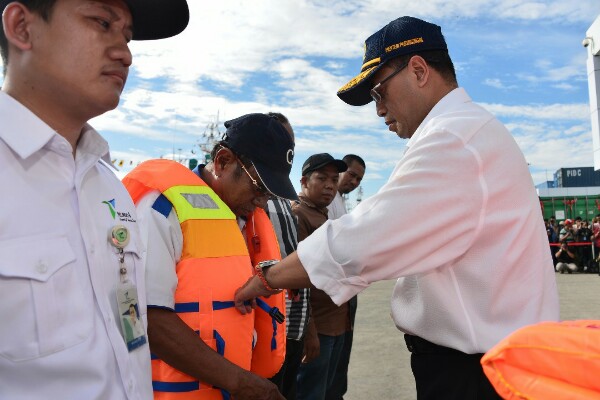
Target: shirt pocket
[{"x": 43, "y": 310}]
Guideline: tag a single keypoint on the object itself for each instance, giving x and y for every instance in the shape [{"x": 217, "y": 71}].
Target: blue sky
[{"x": 522, "y": 60}]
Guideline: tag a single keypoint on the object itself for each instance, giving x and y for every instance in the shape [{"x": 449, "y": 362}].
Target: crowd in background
[{"x": 581, "y": 237}]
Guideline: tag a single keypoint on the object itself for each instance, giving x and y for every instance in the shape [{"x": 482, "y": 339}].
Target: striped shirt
[{"x": 285, "y": 225}]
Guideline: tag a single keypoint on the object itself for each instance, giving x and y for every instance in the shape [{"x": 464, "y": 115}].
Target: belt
[{"x": 417, "y": 345}]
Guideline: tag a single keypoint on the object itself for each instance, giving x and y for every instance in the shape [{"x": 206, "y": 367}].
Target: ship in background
[{"x": 204, "y": 145}]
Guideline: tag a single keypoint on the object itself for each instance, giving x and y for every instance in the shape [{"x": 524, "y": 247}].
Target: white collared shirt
[
  {"x": 60, "y": 333},
  {"x": 459, "y": 223},
  {"x": 337, "y": 208}
]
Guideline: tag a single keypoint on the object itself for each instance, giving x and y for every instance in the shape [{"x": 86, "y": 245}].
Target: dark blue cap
[
  {"x": 405, "y": 35},
  {"x": 264, "y": 141},
  {"x": 318, "y": 161}
]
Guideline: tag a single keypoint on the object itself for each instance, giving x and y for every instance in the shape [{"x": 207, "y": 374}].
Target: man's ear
[
  {"x": 17, "y": 21},
  {"x": 420, "y": 68},
  {"x": 303, "y": 180},
  {"x": 223, "y": 159}
]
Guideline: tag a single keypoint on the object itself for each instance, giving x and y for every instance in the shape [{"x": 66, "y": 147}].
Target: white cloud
[
  {"x": 548, "y": 9},
  {"x": 291, "y": 56},
  {"x": 497, "y": 83},
  {"x": 576, "y": 112}
]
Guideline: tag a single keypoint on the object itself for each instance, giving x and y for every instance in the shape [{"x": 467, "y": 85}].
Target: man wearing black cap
[
  {"x": 457, "y": 293},
  {"x": 70, "y": 246},
  {"x": 324, "y": 338},
  {"x": 205, "y": 230}
]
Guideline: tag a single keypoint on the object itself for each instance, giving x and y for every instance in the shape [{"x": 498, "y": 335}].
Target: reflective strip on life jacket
[{"x": 197, "y": 202}]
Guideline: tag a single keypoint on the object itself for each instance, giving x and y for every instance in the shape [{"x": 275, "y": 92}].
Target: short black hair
[
  {"x": 438, "y": 60},
  {"x": 42, "y": 7},
  {"x": 350, "y": 158}
]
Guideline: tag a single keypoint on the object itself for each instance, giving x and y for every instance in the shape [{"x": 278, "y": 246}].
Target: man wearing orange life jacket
[{"x": 204, "y": 230}]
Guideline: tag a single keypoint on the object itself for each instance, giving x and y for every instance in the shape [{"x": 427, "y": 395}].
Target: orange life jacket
[
  {"x": 212, "y": 245},
  {"x": 549, "y": 360}
]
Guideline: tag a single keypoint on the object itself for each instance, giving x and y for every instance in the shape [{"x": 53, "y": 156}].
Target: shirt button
[
  {"x": 130, "y": 386},
  {"x": 42, "y": 268}
]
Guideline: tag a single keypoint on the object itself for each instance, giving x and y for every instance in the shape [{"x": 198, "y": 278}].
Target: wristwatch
[{"x": 261, "y": 268}]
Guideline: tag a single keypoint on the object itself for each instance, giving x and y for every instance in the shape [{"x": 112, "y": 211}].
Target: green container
[{"x": 586, "y": 207}]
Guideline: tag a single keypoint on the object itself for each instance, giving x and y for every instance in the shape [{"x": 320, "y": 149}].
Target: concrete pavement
[{"x": 380, "y": 363}]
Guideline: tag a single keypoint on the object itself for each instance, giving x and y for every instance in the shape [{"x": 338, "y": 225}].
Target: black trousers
[
  {"x": 285, "y": 379},
  {"x": 339, "y": 386},
  {"x": 442, "y": 373}
]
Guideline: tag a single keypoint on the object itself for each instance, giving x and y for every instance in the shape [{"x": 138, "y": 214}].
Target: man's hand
[
  {"x": 245, "y": 297},
  {"x": 312, "y": 348},
  {"x": 312, "y": 345},
  {"x": 253, "y": 387}
]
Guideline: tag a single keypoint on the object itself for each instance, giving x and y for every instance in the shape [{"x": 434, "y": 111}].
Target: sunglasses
[
  {"x": 260, "y": 189},
  {"x": 375, "y": 95}
]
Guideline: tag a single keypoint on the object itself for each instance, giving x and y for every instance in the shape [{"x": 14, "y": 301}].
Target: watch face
[{"x": 266, "y": 264}]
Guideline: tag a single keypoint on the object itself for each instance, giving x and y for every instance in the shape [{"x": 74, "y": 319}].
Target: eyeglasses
[
  {"x": 374, "y": 92},
  {"x": 261, "y": 190}
]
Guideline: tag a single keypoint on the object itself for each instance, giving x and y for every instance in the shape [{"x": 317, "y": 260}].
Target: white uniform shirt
[
  {"x": 60, "y": 333},
  {"x": 337, "y": 208},
  {"x": 164, "y": 240},
  {"x": 459, "y": 224}
]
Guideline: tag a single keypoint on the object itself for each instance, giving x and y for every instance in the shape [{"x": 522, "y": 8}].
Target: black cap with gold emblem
[{"x": 402, "y": 36}]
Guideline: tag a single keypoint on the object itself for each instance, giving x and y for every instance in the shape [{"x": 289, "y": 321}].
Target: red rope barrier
[{"x": 573, "y": 244}]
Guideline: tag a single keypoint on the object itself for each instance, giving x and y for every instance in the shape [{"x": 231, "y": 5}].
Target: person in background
[
  {"x": 596, "y": 241},
  {"x": 349, "y": 181},
  {"x": 72, "y": 259},
  {"x": 567, "y": 233},
  {"x": 566, "y": 259},
  {"x": 584, "y": 251},
  {"x": 457, "y": 293},
  {"x": 327, "y": 322},
  {"x": 286, "y": 227},
  {"x": 552, "y": 231}
]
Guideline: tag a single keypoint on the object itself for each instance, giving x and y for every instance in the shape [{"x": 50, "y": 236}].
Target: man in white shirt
[
  {"x": 69, "y": 243},
  {"x": 460, "y": 289},
  {"x": 349, "y": 181}
]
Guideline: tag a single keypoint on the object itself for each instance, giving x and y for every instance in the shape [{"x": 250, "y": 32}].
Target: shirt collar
[
  {"x": 21, "y": 129},
  {"x": 25, "y": 133},
  {"x": 91, "y": 142},
  {"x": 308, "y": 202},
  {"x": 458, "y": 95}
]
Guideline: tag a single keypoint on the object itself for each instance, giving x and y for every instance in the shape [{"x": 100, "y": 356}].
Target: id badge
[{"x": 132, "y": 327}]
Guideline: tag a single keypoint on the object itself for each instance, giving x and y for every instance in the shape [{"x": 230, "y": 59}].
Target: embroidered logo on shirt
[
  {"x": 111, "y": 207},
  {"x": 123, "y": 216}
]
